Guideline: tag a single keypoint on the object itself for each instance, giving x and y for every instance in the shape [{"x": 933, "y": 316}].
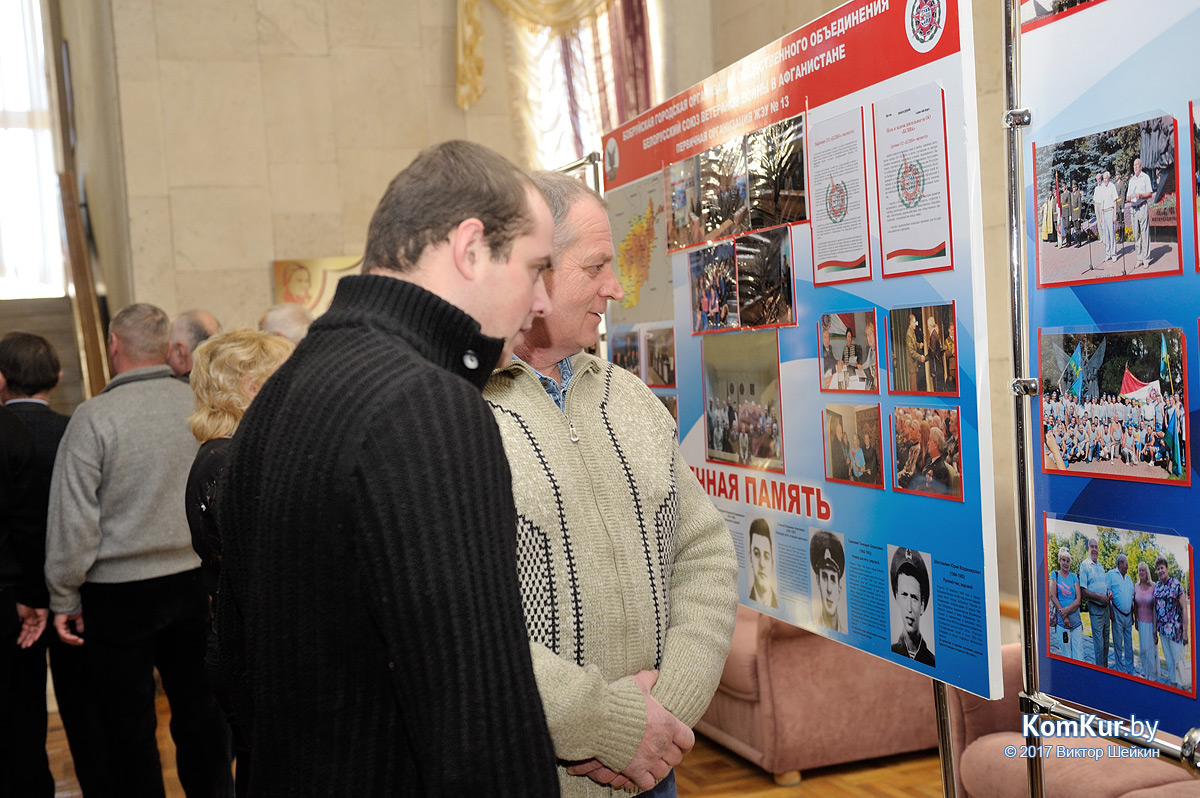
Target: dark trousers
[
  {"x": 130, "y": 629},
  {"x": 23, "y": 757}
]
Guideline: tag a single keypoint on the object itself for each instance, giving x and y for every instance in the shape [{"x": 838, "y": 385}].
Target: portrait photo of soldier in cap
[
  {"x": 761, "y": 555},
  {"x": 912, "y": 626},
  {"x": 827, "y": 557}
]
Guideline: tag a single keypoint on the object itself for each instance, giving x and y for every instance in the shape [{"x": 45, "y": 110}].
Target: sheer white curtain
[{"x": 31, "y": 258}]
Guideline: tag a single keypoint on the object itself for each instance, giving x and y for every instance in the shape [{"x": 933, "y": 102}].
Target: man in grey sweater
[{"x": 120, "y": 567}]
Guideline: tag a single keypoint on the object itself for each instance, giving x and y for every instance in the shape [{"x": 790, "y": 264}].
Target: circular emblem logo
[
  {"x": 924, "y": 21},
  {"x": 910, "y": 183},
  {"x": 837, "y": 201},
  {"x": 610, "y": 159}
]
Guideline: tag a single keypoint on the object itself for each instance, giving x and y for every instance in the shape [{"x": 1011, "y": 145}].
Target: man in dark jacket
[{"x": 368, "y": 617}]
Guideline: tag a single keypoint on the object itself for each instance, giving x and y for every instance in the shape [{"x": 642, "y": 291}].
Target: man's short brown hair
[
  {"x": 29, "y": 363},
  {"x": 447, "y": 184}
]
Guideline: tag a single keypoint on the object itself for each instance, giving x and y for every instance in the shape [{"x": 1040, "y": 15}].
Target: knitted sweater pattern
[
  {"x": 624, "y": 563},
  {"x": 369, "y": 621}
]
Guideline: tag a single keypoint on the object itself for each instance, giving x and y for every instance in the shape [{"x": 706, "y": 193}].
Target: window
[{"x": 31, "y": 258}]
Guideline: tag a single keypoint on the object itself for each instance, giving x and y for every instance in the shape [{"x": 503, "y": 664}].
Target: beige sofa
[
  {"x": 982, "y": 730},
  {"x": 790, "y": 700}
]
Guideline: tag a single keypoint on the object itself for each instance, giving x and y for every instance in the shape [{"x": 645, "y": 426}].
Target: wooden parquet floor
[{"x": 708, "y": 771}]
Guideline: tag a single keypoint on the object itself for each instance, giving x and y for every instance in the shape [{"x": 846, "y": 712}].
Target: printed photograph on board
[
  {"x": 760, "y": 551},
  {"x": 1035, "y": 13},
  {"x": 635, "y": 211},
  {"x": 1120, "y": 600},
  {"x": 853, "y": 442},
  {"x": 841, "y": 239},
  {"x": 1114, "y": 404},
  {"x": 927, "y": 452},
  {"x": 724, "y": 201},
  {"x": 713, "y": 275},
  {"x": 827, "y": 559},
  {"x": 924, "y": 350},
  {"x": 743, "y": 422},
  {"x": 625, "y": 351},
  {"x": 660, "y": 357},
  {"x": 684, "y": 225},
  {"x": 670, "y": 401},
  {"x": 764, "y": 277},
  {"x": 910, "y": 604},
  {"x": 849, "y": 353},
  {"x": 1196, "y": 175},
  {"x": 1107, "y": 205},
  {"x": 775, "y": 161}
]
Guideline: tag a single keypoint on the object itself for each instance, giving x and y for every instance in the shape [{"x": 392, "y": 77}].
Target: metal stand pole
[
  {"x": 945, "y": 745},
  {"x": 1016, "y": 118}
]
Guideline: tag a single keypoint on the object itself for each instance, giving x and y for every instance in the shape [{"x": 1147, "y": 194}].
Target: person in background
[
  {"x": 290, "y": 321},
  {"x": 1066, "y": 627},
  {"x": 1143, "y": 602},
  {"x": 1171, "y": 624},
  {"x": 228, "y": 372},
  {"x": 188, "y": 330},
  {"x": 1093, "y": 585},
  {"x": 1120, "y": 604},
  {"x": 123, "y": 579},
  {"x": 29, "y": 370}
]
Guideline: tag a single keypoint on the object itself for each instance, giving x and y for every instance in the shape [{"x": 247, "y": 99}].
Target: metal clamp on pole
[
  {"x": 1189, "y": 756},
  {"x": 1033, "y": 704},
  {"x": 1018, "y": 117},
  {"x": 1026, "y": 386}
]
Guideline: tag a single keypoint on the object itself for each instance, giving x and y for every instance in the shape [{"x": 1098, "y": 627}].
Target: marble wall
[{"x": 255, "y": 130}]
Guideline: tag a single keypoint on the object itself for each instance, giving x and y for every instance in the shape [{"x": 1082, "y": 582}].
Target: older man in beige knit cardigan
[{"x": 627, "y": 571}]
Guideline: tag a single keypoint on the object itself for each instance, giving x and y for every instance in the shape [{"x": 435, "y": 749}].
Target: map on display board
[
  {"x": 817, "y": 227},
  {"x": 1110, "y": 204}
]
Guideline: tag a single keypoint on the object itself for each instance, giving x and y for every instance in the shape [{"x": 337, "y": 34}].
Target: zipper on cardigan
[{"x": 574, "y": 434}]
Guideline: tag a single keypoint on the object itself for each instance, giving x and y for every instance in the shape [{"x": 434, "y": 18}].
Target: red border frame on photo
[
  {"x": 704, "y": 411},
  {"x": 960, "y": 498},
  {"x": 674, "y": 355},
  {"x": 1040, "y": 441},
  {"x": 957, "y": 392},
  {"x": 820, "y": 366},
  {"x": 1041, "y": 22},
  {"x": 737, "y": 278},
  {"x": 1037, "y": 249},
  {"x": 1092, "y": 666},
  {"x": 826, "y": 451}
]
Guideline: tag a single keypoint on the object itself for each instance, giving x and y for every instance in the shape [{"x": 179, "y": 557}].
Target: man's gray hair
[
  {"x": 144, "y": 331},
  {"x": 937, "y": 436},
  {"x": 286, "y": 319},
  {"x": 562, "y": 193},
  {"x": 193, "y": 327}
]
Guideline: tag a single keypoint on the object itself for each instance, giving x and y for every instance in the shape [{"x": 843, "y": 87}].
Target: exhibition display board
[
  {"x": 1110, "y": 206},
  {"x": 798, "y": 240}
]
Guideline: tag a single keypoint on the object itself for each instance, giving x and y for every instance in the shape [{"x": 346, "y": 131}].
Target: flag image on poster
[
  {"x": 841, "y": 247},
  {"x": 914, "y": 196}
]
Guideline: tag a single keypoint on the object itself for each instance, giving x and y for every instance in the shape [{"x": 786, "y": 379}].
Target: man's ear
[{"x": 469, "y": 247}]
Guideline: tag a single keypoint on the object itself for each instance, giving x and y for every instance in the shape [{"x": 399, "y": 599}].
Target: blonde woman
[
  {"x": 1065, "y": 599},
  {"x": 227, "y": 372},
  {"x": 1143, "y": 602}
]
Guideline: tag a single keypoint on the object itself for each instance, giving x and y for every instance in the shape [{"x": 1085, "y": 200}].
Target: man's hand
[
  {"x": 663, "y": 745},
  {"x": 62, "y": 625},
  {"x": 33, "y": 623}
]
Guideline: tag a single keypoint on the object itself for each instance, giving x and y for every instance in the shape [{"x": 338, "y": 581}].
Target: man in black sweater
[
  {"x": 29, "y": 370},
  {"x": 368, "y": 616}
]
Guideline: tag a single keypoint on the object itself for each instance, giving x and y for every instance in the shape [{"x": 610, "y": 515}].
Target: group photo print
[
  {"x": 1119, "y": 600},
  {"x": 924, "y": 350},
  {"x": 743, "y": 423},
  {"x": 1107, "y": 205},
  {"x": 626, "y": 351},
  {"x": 927, "y": 452},
  {"x": 712, "y": 271},
  {"x": 853, "y": 445},
  {"x": 848, "y": 351},
  {"x": 1114, "y": 404}
]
